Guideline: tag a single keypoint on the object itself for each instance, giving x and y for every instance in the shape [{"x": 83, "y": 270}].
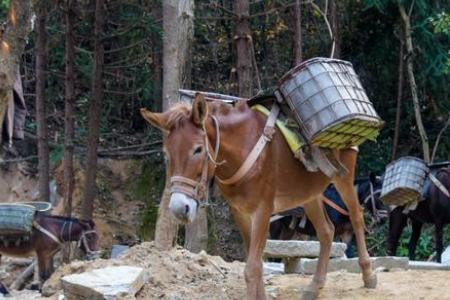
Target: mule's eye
[{"x": 198, "y": 150}]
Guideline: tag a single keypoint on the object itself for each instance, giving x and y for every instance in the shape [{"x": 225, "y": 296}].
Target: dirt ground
[{"x": 179, "y": 274}]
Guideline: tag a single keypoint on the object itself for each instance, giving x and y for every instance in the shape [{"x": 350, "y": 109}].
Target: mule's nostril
[{"x": 186, "y": 208}]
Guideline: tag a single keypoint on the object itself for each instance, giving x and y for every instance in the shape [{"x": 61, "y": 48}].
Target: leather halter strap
[
  {"x": 198, "y": 190},
  {"x": 266, "y": 137}
]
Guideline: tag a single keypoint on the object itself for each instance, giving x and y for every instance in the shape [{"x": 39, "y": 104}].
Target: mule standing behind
[
  {"x": 434, "y": 209},
  {"x": 276, "y": 181},
  {"x": 47, "y": 236},
  {"x": 368, "y": 191}
]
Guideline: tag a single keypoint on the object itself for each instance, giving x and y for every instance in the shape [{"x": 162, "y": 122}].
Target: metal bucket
[
  {"x": 330, "y": 104},
  {"x": 16, "y": 218},
  {"x": 403, "y": 181}
]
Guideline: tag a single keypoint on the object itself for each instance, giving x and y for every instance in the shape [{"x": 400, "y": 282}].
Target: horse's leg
[
  {"x": 345, "y": 187},
  {"x": 254, "y": 268},
  {"x": 416, "y": 230},
  {"x": 439, "y": 226},
  {"x": 244, "y": 224},
  {"x": 397, "y": 222},
  {"x": 325, "y": 233}
]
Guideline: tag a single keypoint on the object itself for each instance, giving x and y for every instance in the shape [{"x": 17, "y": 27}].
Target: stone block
[
  {"x": 295, "y": 249},
  {"x": 308, "y": 266},
  {"x": 110, "y": 283}
]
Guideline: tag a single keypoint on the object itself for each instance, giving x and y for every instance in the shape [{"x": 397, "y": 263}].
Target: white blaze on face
[{"x": 183, "y": 207}]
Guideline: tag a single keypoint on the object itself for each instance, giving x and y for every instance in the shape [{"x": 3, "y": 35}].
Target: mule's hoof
[
  {"x": 309, "y": 294},
  {"x": 371, "y": 281}
]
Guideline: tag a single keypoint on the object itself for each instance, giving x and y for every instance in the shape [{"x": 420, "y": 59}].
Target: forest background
[{"x": 368, "y": 33}]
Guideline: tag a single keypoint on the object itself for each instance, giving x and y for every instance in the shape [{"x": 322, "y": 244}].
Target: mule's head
[
  {"x": 369, "y": 191},
  {"x": 186, "y": 149},
  {"x": 88, "y": 242}
]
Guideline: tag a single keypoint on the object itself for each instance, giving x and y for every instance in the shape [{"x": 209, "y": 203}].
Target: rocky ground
[{"x": 179, "y": 274}]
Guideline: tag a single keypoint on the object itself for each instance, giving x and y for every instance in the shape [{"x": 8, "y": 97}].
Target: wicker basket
[
  {"x": 403, "y": 181},
  {"x": 16, "y": 218},
  {"x": 330, "y": 104}
]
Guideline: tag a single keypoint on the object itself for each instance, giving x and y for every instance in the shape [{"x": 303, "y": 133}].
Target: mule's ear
[
  {"x": 158, "y": 120},
  {"x": 199, "y": 110}
]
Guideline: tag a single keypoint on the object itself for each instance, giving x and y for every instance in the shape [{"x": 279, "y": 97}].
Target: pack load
[
  {"x": 403, "y": 181},
  {"x": 16, "y": 219},
  {"x": 330, "y": 104}
]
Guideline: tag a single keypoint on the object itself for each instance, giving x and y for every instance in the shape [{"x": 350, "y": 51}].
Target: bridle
[
  {"x": 378, "y": 214},
  {"x": 60, "y": 240},
  {"x": 198, "y": 190},
  {"x": 83, "y": 240}
]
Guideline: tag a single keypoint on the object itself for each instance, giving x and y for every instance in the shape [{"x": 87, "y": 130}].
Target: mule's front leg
[
  {"x": 325, "y": 233},
  {"x": 254, "y": 267}
]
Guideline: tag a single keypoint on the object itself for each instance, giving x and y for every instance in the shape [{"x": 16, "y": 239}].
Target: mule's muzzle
[{"x": 183, "y": 207}]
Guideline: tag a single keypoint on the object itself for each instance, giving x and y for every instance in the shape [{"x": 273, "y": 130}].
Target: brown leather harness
[{"x": 198, "y": 190}]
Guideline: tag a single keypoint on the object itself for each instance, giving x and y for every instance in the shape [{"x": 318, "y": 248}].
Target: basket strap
[
  {"x": 46, "y": 232},
  {"x": 257, "y": 149},
  {"x": 439, "y": 185}
]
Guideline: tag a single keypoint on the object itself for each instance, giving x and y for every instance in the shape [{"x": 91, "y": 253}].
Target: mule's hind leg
[
  {"x": 345, "y": 187},
  {"x": 325, "y": 233}
]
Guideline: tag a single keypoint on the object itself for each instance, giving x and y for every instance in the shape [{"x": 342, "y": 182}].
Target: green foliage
[
  {"x": 146, "y": 184},
  {"x": 4, "y": 5},
  {"x": 441, "y": 23}
]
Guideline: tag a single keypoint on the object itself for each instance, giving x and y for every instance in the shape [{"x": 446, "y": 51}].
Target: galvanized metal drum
[
  {"x": 16, "y": 218},
  {"x": 403, "y": 181},
  {"x": 330, "y": 104}
]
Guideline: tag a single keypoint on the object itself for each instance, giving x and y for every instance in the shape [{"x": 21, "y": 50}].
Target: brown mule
[
  {"x": 47, "y": 236},
  {"x": 275, "y": 182}
]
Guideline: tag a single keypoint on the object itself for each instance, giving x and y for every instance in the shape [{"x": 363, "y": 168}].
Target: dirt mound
[
  {"x": 179, "y": 274},
  {"x": 175, "y": 274}
]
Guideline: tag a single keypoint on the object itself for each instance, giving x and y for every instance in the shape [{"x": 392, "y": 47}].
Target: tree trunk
[
  {"x": 399, "y": 96},
  {"x": 12, "y": 42},
  {"x": 177, "y": 27},
  {"x": 412, "y": 83},
  {"x": 41, "y": 77},
  {"x": 69, "y": 123},
  {"x": 298, "y": 54},
  {"x": 94, "y": 113},
  {"x": 243, "y": 37},
  {"x": 334, "y": 16},
  {"x": 196, "y": 234},
  {"x": 157, "y": 64}
]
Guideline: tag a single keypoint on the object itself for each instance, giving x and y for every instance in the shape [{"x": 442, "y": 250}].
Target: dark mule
[
  {"x": 47, "y": 236},
  {"x": 218, "y": 140},
  {"x": 434, "y": 209},
  {"x": 292, "y": 223}
]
